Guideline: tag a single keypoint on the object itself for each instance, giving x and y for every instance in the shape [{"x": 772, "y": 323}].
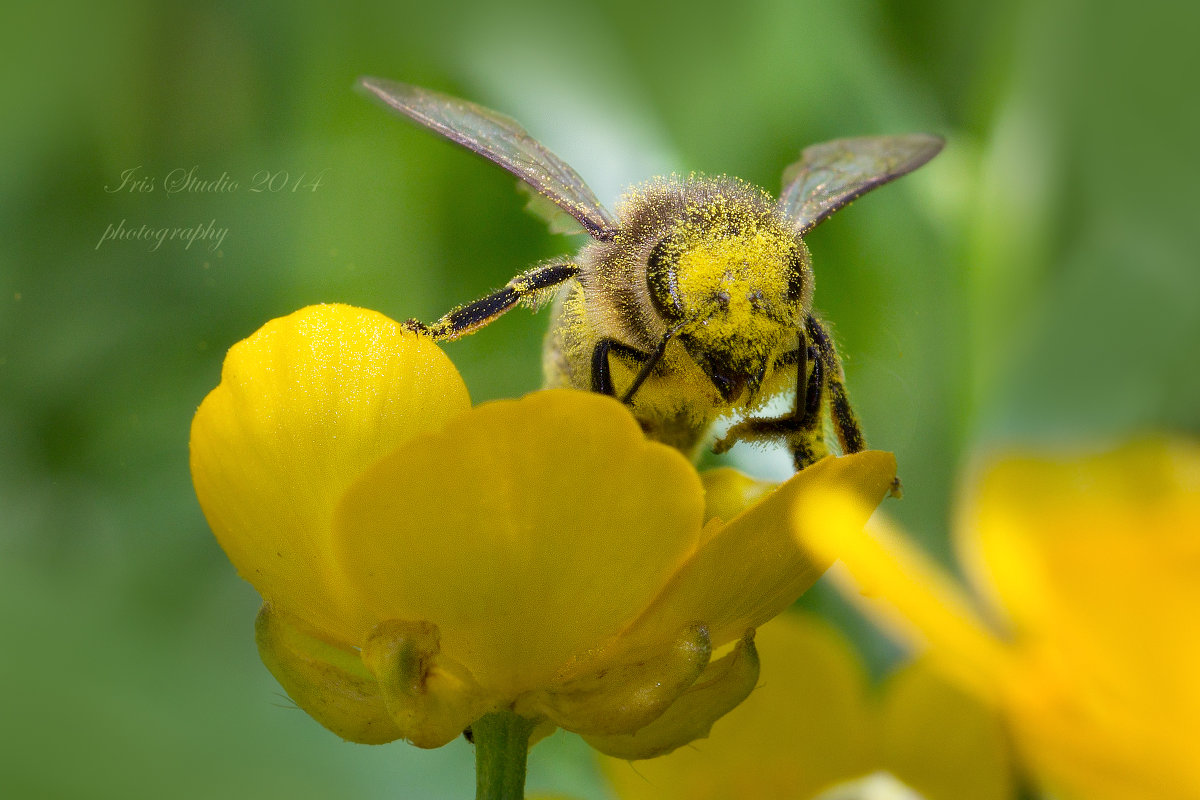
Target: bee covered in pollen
[{"x": 694, "y": 302}]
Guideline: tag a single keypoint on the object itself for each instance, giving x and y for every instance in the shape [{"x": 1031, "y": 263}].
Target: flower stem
[{"x": 501, "y": 747}]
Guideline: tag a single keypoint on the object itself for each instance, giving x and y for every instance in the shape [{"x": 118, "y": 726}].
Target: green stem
[{"x": 501, "y": 747}]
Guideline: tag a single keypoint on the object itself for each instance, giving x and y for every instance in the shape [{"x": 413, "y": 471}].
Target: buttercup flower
[
  {"x": 424, "y": 563},
  {"x": 1090, "y": 569},
  {"x": 815, "y": 729}
]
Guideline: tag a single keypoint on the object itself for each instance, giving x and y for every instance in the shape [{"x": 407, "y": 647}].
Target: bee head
[{"x": 737, "y": 281}]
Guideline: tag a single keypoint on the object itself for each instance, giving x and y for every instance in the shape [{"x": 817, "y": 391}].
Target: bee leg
[
  {"x": 649, "y": 363},
  {"x": 602, "y": 371},
  {"x": 802, "y": 429},
  {"x": 845, "y": 421},
  {"x": 470, "y": 317},
  {"x": 807, "y": 440}
]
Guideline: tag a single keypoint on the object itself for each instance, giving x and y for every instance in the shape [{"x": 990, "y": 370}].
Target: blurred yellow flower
[
  {"x": 1090, "y": 571},
  {"x": 424, "y": 563},
  {"x": 815, "y": 728}
]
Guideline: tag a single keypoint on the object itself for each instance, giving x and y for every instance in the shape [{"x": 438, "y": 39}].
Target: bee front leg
[
  {"x": 801, "y": 430},
  {"x": 602, "y": 370},
  {"x": 529, "y": 287}
]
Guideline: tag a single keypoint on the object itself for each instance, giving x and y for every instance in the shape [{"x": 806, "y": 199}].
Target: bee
[{"x": 694, "y": 302}]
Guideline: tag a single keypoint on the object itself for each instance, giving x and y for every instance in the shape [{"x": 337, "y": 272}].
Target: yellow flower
[
  {"x": 424, "y": 563},
  {"x": 1090, "y": 568},
  {"x": 814, "y": 725}
]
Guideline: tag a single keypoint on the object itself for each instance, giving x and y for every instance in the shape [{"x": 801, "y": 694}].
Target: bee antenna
[
  {"x": 660, "y": 350},
  {"x": 650, "y": 363}
]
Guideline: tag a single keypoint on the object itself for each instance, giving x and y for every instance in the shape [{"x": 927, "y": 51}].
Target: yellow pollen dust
[
  {"x": 742, "y": 270},
  {"x": 729, "y": 282}
]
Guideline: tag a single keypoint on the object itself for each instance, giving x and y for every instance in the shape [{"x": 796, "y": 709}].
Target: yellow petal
[
  {"x": 1096, "y": 562},
  {"x": 722, "y": 686},
  {"x": 908, "y": 595},
  {"x": 327, "y": 680},
  {"x": 728, "y": 492},
  {"x": 943, "y": 742},
  {"x": 1104, "y": 551},
  {"x": 528, "y": 531},
  {"x": 751, "y": 569},
  {"x": 304, "y": 406},
  {"x": 804, "y": 727},
  {"x": 628, "y": 696}
]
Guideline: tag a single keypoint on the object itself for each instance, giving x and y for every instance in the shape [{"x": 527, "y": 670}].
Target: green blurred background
[{"x": 1036, "y": 284}]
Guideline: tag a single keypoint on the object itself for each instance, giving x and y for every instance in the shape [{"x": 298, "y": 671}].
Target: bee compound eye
[
  {"x": 795, "y": 276},
  {"x": 662, "y": 280},
  {"x": 657, "y": 259}
]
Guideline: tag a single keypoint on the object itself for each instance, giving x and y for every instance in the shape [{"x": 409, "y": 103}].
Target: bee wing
[
  {"x": 557, "y": 220},
  {"x": 831, "y": 174},
  {"x": 500, "y": 139}
]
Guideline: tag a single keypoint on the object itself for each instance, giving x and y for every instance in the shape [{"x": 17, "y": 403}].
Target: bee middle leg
[
  {"x": 845, "y": 421},
  {"x": 470, "y": 317}
]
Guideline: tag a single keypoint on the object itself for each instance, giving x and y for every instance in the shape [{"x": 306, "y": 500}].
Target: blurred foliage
[{"x": 1037, "y": 283}]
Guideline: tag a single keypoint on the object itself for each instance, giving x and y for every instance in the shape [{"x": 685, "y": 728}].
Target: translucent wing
[
  {"x": 557, "y": 220},
  {"x": 831, "y": 174},
  {"x": 502, "y": 140}
]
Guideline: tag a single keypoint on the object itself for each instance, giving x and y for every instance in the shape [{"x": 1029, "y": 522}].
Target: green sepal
[
  {"x": 326, "y": 679},
  {"x": 431, "y": 698},
  {"x": 624, "y": 698},
  {"x": 723, "y": 685}
]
